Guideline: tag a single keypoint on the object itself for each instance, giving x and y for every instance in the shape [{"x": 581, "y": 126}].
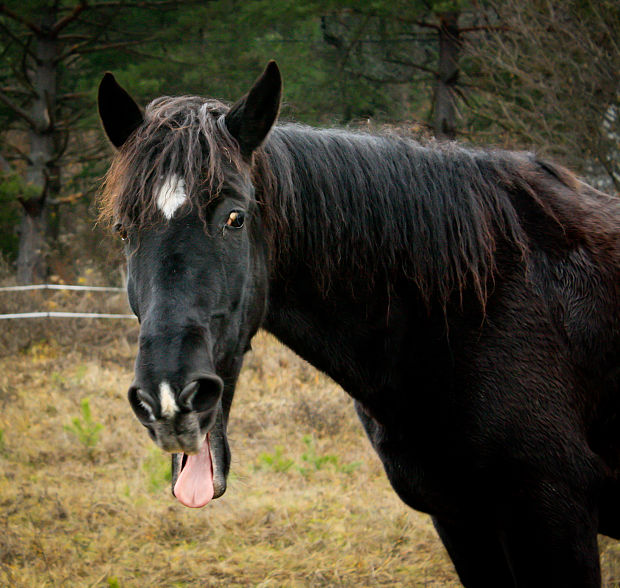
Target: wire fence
[
  {"x": 61, "y": 287},
  {"x": 58, "y": 314}
]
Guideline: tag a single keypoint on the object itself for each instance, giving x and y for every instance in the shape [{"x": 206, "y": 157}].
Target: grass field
[{"x": 85, "y": 497}]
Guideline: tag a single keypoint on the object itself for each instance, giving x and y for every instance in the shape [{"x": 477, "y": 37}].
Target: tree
[
  {"x": 49, "y": 48},
  {"x": 416, "y": 46},
  {"x": 550, "y": 77}
]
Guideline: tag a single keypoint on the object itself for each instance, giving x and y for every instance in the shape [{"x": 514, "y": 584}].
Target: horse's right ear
[
  {"x": 119, "y": 114},
  {"x": 250, "y": 119}
]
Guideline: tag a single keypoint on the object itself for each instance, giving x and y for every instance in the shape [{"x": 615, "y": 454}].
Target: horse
[{"x": 466, "y": 298}]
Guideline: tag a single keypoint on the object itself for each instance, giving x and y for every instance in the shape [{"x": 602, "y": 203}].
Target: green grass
[
  {"x": 157, "y": 470},
  {"x": 275, "y": 461},
  {"x": 85, "y": 429}
]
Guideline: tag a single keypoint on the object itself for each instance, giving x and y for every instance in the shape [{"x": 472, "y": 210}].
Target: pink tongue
[{"x": 194, "y": 486}]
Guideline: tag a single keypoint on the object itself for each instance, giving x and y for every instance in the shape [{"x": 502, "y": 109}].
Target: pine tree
[{"x": 52, "y": 56}]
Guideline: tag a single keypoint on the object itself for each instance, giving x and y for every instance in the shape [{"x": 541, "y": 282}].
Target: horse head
[{"x": 183, "y": 199}]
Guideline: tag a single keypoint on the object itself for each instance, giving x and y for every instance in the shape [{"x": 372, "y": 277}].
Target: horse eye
[
  {"x": 236, "y": 219},
  {"x": 121, "y": 231}
]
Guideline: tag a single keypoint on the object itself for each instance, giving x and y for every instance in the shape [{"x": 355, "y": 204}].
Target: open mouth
[{"x": 192, "y": 476}]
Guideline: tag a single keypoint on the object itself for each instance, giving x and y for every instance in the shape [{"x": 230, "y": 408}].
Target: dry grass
[{"x": 73, "y": 515}]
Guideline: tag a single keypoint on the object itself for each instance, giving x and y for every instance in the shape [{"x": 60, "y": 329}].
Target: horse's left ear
[
  {"x": 119, "y": 114},
  {"x": 251, "y": 118}
]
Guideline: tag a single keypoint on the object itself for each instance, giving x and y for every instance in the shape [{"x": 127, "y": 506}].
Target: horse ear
[
  {"x": 119, "y": 114},
  {"x": 250, "y": 119}
]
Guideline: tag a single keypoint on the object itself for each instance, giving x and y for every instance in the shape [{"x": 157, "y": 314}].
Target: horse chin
[
  {"x": 219, "y": 485},
  {"x": 220, "y": 456}
]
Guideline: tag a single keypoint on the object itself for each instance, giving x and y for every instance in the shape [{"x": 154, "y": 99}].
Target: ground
[{"x": 85, "y": 498}]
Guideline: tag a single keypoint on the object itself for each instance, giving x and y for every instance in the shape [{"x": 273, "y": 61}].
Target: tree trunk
[
  {"x": 31, "y": 262},
  {"x": 31, "y": 257},
  {"x": 445, "y": 96}
]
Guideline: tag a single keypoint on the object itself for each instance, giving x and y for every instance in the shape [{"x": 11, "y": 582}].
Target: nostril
[
  {"x": 187, "y": 394},
  {"x": 202, "y": 394},
  {"x": 142, "y": 404}
]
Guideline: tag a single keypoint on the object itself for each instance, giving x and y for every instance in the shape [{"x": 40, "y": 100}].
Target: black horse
[{"x": 466, "y": 299}]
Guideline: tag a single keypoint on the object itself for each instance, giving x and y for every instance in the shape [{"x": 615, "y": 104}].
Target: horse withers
[{"x": 467, "y": 300}]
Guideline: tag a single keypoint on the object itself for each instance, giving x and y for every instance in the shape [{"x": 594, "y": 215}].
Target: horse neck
[{"x": 329, "y": 307}]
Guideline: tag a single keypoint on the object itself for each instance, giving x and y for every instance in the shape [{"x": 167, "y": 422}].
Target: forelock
[{"x": 184, "y": 136}]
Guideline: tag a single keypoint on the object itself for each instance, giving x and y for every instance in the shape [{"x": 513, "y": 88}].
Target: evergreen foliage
[{"x": 370, "y": 62}]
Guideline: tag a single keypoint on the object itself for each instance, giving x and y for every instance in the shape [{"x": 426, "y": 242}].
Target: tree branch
[
  {"x": 18, "y": 110},
  {"x": 16, "y": 39},
  {"x": 385, "y": 80},
  {"x": 411, "y": 64},
  {"x": 20, "y": 19},
  {"x": 5, "y": 166},
  {"x": 16, "y": 90},
  {"x": 118, "y": 45},
  {"x": 504, "y": 29},
  {"x": 419, "y": 23},
  {"x": 141, "y": 4},
  {"x": 90, "y": 39},
  {"x": 74, "y": 37},
  {"x": 20, "y": 154},
  {"x": 72, "y": 96},
  {"x": 67, "y": 20}
]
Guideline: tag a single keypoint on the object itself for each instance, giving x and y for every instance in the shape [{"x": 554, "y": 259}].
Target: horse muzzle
[
  {"x": 187, "y": 422},
  {"x": 178, "y": 418}
]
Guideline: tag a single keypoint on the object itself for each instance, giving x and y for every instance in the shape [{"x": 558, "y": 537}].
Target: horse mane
[{"x": 357, "y": 205}]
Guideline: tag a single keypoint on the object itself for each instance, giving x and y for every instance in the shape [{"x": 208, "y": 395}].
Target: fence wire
[
  {"x": 61, "y": 287},
  {"x": 57, "y": 314}
]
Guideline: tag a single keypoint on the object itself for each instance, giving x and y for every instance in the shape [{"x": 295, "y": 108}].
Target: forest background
[
  {"x": 530, "y": 74},
  {"x": 84, "y": 494}
]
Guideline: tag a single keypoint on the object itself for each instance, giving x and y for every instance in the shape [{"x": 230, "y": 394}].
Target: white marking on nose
[
  {"x": 171, "y": 195},
  {"x": 166, "y": 400}
]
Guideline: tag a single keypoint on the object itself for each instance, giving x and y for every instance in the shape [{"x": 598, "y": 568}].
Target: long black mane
[
  {"x": 358, "y": 204},
  {"x": 377, "y": 205}
]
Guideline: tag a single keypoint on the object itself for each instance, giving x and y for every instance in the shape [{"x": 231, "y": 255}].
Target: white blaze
[
  {"x": 166, "y": 400},
  {"x": 171, "y": 195}
]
